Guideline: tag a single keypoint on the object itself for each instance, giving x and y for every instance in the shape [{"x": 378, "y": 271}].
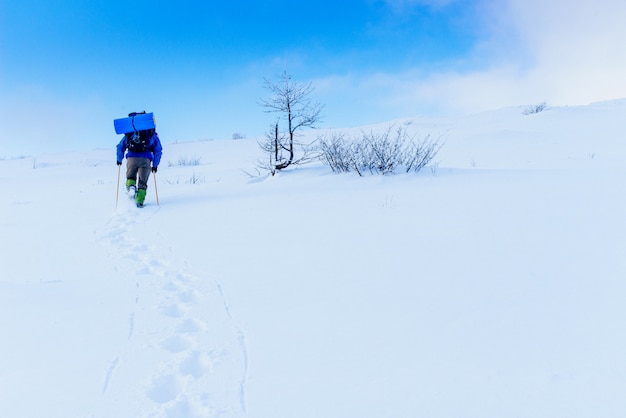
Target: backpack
[{"x": 139, "y": 141}]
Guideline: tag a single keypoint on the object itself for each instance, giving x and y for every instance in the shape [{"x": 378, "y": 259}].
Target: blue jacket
[{"x": 154, "y": 154}]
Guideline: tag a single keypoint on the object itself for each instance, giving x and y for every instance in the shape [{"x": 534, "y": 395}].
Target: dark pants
[{"x": 138, "y": 169}]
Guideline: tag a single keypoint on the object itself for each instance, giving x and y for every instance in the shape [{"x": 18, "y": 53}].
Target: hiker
[{"x": 144, "y": 154}]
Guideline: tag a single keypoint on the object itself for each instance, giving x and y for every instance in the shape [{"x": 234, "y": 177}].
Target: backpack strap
[{"x": 132, "y": 115}]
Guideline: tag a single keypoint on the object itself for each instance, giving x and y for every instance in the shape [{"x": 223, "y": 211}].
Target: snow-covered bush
[
  {"x": 534, "y": 109},
  {"x": 183, "y": 161},
  {"x": 377, "y": 153}
]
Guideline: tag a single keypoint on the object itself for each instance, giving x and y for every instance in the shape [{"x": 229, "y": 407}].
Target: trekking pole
[
  {"x": 156, "y": 191},
  {"x": 117, "y": 192}
]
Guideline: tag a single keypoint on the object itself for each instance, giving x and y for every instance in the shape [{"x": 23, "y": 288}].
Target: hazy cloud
[
  {"x": 578, "y": 47},
  {"x": 563, "y": 52}
]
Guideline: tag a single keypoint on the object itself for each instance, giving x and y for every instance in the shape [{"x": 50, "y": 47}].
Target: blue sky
[{"x": 67, "y": 69}]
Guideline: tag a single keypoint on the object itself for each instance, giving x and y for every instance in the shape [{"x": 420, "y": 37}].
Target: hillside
[{"x": 490, "y": 284}]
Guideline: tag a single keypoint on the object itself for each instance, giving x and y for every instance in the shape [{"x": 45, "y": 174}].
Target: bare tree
[
  {"x": 291, "y": 100},
  {"x": 273, "y": 145}
]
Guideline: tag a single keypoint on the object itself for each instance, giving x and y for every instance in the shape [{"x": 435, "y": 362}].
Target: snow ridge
[{"x": 183, "y": 352}]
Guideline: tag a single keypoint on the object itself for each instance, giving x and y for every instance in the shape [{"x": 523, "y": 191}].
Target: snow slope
[{"x": 490, "y": 284}]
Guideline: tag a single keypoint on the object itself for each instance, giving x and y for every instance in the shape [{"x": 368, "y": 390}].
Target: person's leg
[
  {"x": 143, "y": 171},
  {"x": 131, "y": 173}
]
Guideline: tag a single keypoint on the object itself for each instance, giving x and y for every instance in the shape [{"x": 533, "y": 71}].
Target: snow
[{"x": 488, "y": 285}]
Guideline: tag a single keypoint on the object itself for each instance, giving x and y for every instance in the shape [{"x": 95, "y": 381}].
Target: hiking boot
[
  {"x": 131, "y": 186},
  {"x": 140, "y": 197}
]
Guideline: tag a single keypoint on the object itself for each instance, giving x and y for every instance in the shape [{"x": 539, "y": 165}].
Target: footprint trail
[{"x": 184, "y": 355}]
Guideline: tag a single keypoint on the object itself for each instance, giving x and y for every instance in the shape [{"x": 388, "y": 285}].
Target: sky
[{"x": 67, "y": 69}]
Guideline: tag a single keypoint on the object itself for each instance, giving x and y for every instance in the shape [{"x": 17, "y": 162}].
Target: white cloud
[
  {"x": 577, "y": 46},
  {"x": 562, "y": 52}
]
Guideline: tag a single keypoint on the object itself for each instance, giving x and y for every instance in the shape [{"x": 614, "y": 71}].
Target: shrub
[
  {"x": 377, "y": 153},
  {"x": 184, "y": 161},
  {"x": 534, "y": 109}
]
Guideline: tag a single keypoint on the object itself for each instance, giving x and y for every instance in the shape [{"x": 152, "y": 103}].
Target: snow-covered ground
[{"x": 490, "y": 284}]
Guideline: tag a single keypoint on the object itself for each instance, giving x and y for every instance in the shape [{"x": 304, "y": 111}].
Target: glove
[
  {"x": 154, "y": 169},
  {"x": 119, "y": 163}
]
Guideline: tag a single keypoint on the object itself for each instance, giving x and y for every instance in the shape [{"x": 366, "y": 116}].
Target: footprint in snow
[{"x": 196, "y": 333}]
